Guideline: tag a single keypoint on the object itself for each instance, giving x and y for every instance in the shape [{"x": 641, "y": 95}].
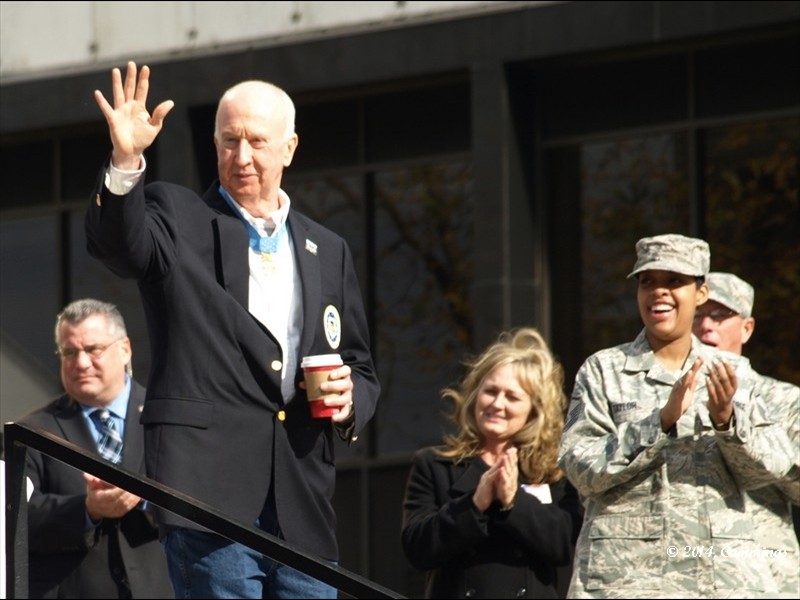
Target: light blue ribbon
[{"x": 258, "y": 242}]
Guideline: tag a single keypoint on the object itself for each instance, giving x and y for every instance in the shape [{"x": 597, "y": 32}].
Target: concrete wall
[{"x": 40, "y": 39}]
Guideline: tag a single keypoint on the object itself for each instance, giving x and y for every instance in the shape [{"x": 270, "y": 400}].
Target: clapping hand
[
  {"x": 499, "y": 482},
  {"x": 681, "y": 396},
  {"x": 722, "y": 384},
  {"x": 104, "y": 500}
]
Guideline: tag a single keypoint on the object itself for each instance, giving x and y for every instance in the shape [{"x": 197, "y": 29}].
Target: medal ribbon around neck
[{"x": 258, "y": 242}]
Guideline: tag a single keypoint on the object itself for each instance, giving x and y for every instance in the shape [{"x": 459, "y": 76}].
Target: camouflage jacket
[
  {"x": 667, "y": 514},
  {"x": 770, "y": 506}
]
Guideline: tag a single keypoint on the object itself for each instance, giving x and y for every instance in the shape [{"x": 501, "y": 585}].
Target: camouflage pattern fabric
[
  {"x": 732, "y": 292},
  {"x": 672, "y": 252},
  {"x": 770, "y": 506},
  {"x": 667, "y": 514}
]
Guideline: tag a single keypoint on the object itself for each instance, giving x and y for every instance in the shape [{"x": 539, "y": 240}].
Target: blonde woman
[{"x": 489, "y": 514}]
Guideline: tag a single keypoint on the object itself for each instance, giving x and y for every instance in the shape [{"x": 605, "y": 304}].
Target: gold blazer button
[
  {"x": 276, "y": 365},
  {"x": 281, "y": 415}
]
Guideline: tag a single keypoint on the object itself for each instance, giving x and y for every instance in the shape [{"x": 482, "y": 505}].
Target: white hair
[{"x": 270, "y": 93}]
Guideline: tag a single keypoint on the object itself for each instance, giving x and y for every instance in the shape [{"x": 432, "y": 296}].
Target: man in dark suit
[
  {"x": 237, "y": 287},
  {"x": 88, "y": 539}
]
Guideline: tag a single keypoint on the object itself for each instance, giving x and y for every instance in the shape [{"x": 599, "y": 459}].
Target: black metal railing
[{"x": 18, "y": 438}]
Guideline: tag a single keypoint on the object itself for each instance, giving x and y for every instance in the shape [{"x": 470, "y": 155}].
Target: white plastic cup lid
[{"x": 321, "y": 360}]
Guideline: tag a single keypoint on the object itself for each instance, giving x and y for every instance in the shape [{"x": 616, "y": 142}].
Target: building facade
[{"x": 490, "y": 167}]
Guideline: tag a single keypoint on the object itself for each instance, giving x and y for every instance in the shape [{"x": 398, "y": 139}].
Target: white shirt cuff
[{"x": 121, "y": 182}]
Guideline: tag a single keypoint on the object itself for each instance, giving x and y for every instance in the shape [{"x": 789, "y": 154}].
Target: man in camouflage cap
[
  {"x": 662, "y": 437},
  {"x": 730, "y": 291},
  {"x": 726, "y": 321}
]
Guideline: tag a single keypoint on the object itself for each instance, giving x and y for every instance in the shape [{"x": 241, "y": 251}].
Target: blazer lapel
[
  {"x": 133, "y": 444},
  {"x": 73, "y": 426},
  {"x": 306, "y": 254},
  {"x": 231, "y": 265},
  {"x": 467, "y": 475}
]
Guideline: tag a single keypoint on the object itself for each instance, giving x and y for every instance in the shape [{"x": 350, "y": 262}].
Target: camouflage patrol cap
[
  {"x": 732, "y": 292},
  {"x": 672, "y": 252}
]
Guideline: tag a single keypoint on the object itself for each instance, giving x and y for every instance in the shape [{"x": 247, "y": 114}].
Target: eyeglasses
[
  {"x": 718, "y": 315},
  {"x": 94, "y": 352}
]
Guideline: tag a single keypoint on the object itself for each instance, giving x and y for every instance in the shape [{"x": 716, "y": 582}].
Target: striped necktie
[{"x": 110, "y": 445}]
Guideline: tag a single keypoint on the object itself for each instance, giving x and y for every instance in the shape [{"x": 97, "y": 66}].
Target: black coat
[
  {"x": 121, "y": 556},
  {"x": 216, "y": 427},
  {"x": 525, "y": 552}
]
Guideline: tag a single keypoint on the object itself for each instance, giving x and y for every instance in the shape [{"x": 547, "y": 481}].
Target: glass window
[
  {"x": 27, "y": 169},
  {"x": 422, "y": 122},
  {"x": 733, "y": 183},
  {"x": 424, "y": 274},
  {"x": 328, "y": 134},
  {"x": 607, "y": 96},
  {"x": 752, "y": 219},
  {"x": 29, "y": 287},
  {"x": 337, "y": 201},
  {"x": 758, "y": 76},
  {"x": 82, "y": 156},
  {"x": 621, "y": 190},
  {"x": 201, "y": 122},
  {"x": 632, "y": 188}
]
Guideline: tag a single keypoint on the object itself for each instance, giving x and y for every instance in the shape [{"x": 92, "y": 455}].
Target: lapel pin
[{"x": 311, "y": 247}]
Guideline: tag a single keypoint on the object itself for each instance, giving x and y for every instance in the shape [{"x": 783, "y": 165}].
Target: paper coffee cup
[{"x": 315, "y": 370}]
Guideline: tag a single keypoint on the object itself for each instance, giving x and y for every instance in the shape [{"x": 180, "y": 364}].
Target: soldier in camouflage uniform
[
  {"x": 726, "y": 321},
  {"x": 662, "y": 438}
]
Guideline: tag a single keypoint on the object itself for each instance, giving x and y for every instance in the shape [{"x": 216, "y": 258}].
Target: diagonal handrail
[{"x": 19, "y": 437}]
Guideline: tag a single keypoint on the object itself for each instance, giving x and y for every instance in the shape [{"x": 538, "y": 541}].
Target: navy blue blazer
[
  {"x": 215, "y": 424},
  {"x": 68, "y": 561},
  {"x": 525, "y": 552}
]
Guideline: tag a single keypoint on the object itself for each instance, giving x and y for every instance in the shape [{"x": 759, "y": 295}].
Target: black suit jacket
[
  {"x": 525, "y": 552},
  {"x": 216, "y": 427},
  {"x": 121, "y": 556}
]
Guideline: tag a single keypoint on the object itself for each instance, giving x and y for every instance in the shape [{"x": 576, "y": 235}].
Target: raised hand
[{"x": 131, "y": 127}]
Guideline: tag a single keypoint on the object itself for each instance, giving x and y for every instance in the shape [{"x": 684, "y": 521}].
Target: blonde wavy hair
[{"x": 541, "y": 376}]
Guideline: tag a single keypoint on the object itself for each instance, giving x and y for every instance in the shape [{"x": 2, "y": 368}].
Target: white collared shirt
[{"x": 275, "y": 296}]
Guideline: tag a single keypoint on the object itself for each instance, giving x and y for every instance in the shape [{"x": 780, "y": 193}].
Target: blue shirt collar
[{"x": 119, "y": 406}]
